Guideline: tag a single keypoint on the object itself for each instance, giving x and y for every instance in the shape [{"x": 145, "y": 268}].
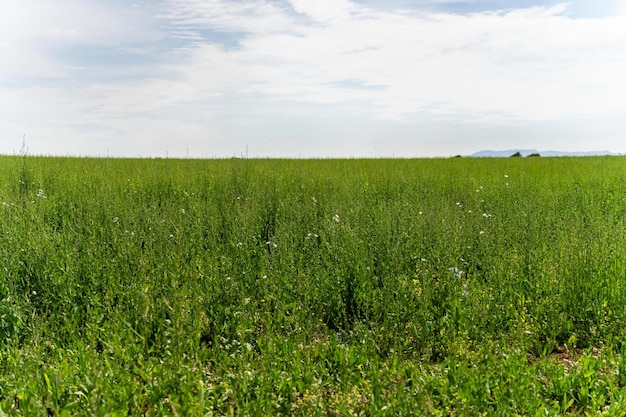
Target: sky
[{"x": 311, "y": 78}]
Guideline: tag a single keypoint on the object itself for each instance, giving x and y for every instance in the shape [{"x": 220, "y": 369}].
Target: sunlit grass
[{"x": 316, "y": 287}]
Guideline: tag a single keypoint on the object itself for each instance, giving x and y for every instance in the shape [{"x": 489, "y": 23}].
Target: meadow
[{"x": 312, "y": 287}]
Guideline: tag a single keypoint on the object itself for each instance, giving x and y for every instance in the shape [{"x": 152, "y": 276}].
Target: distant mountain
[
  {"x": 589, "y": 153},
  {"x": 502, "y": 154},
  {"x": 526, "y": 152}
]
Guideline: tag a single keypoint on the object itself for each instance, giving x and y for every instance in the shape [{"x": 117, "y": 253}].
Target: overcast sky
[{"x": 311, "y": 78}]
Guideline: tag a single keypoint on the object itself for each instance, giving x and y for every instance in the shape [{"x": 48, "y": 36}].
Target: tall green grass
[{"x": 312, "y": 287}]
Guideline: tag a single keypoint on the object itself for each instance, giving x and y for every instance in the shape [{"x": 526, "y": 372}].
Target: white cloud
[
  {"x": 324, "y": 10},
  {"x": 191, "y": 17},
  {"x": 34, "y": 31},
  {"x": 530, "y": 64},
  {"x": 239, "y": 71}
]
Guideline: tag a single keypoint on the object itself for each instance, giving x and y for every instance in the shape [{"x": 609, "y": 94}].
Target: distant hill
[{"x": 526, "y": 152}]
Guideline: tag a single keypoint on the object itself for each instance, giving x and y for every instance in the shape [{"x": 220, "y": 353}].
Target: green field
[{"x": 313, "y": 287}]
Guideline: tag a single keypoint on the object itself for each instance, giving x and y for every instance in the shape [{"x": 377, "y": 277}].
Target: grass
[{"x": 312, "y": 287}]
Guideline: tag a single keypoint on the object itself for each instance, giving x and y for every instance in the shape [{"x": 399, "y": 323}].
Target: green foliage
[{"x": 316, "y": 287}]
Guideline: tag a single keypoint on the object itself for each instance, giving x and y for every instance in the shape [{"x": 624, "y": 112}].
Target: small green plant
[{"x": 24, "y": 175}]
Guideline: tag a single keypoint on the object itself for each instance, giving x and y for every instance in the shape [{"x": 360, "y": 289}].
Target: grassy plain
[{"x": 313, "y": 287}]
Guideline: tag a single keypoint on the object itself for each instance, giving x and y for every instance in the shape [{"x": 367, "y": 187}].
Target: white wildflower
[
  {"x": 456, "y": 273},
  {"x": 336, "y": 218}
]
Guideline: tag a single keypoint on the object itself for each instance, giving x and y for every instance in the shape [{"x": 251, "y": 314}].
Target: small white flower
[
  {"x": 182, "y": 211},
  {"x": 481, "y": 232},
  {"x": 239, "y": 244},
  {"x": 336, "y": 218},
  {"x": 40, "y": 193},
  {"x": 455, "y": 272}
]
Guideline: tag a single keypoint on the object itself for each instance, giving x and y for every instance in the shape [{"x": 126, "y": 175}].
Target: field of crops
[{"x": 313, "y": 287}]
